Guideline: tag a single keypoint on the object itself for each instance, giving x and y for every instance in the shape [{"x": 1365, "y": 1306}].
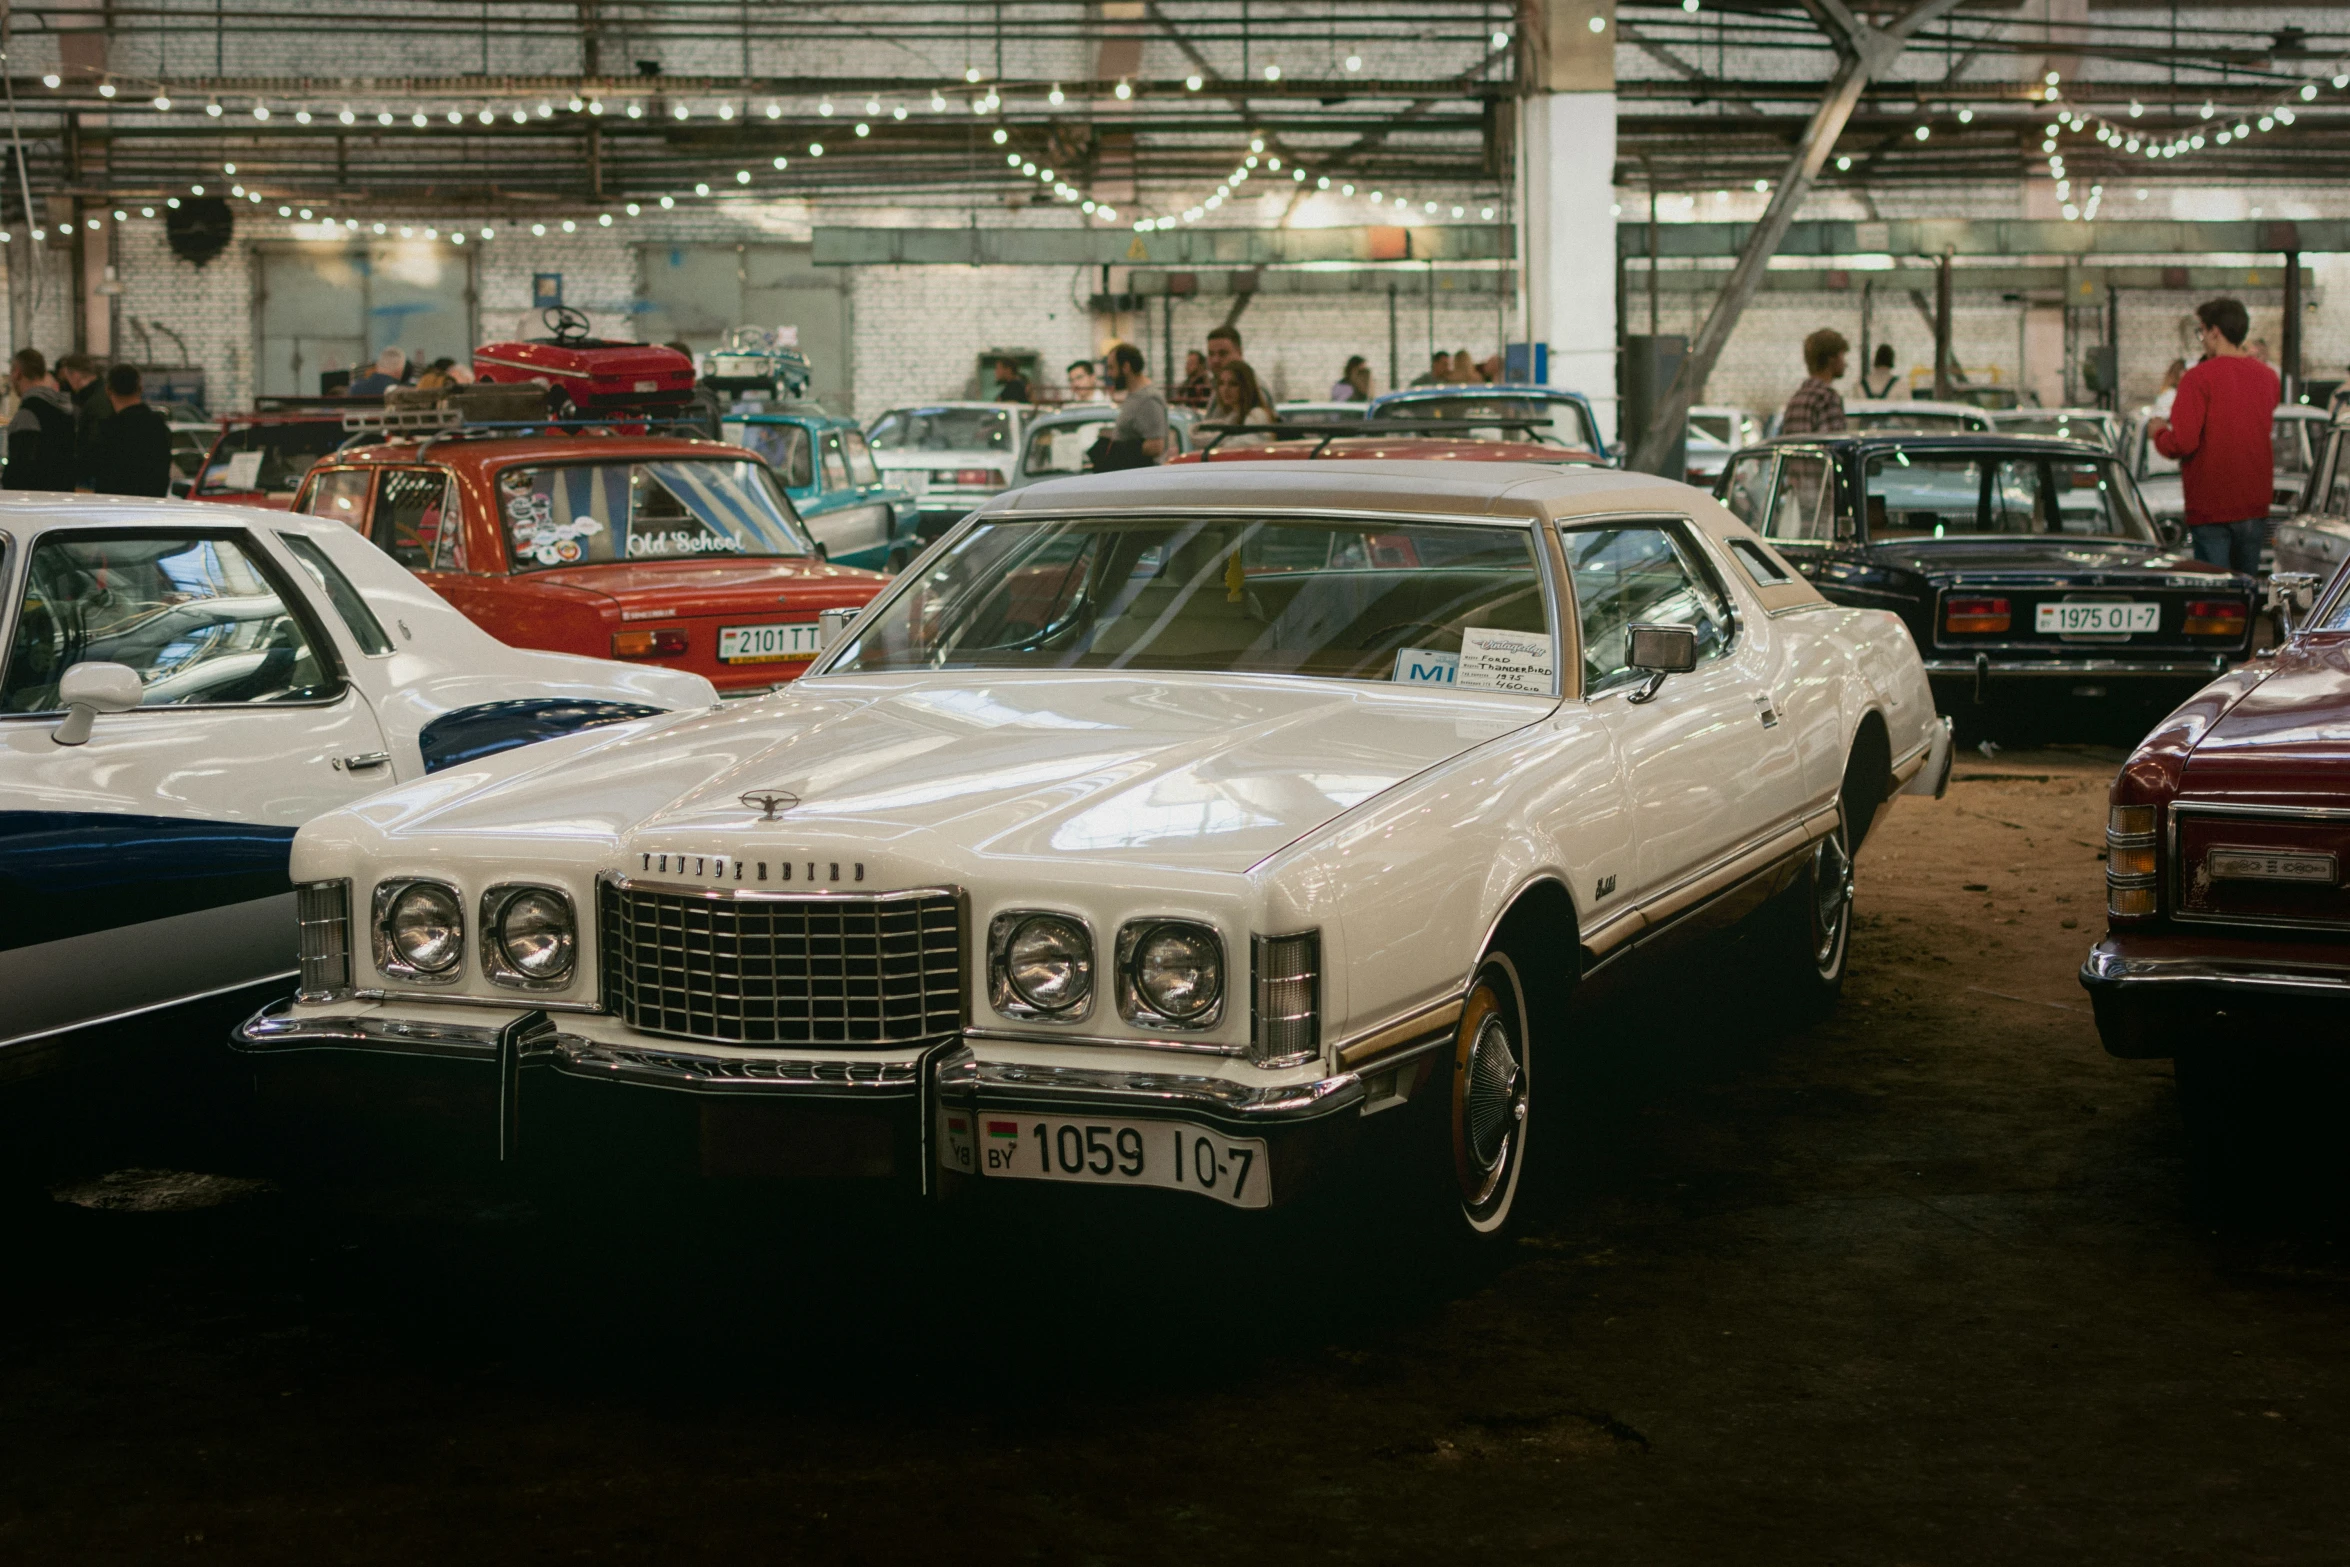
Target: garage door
[
  {"x": 698, "y": 293},
  {"x": 331, "y": 308}
]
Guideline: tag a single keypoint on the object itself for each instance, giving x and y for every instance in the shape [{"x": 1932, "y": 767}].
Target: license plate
[
  {"x": 767, "y": 644},
  {"x": 1107, "y": 1151},
  {"x": 2097, "y": 619}
]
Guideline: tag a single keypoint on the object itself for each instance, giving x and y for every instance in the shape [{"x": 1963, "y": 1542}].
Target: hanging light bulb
[
  {"x": 163, "y": 102},
  {"x": 521, "y": 116},
  {"x": 1122, "y": 91},
  {"x": 633, "y": 209},
  {"x": 824, "y": 107},
  {"x": 417, "y": 119},
  {"x": 383, "y": 116},
  {"x": 897, "y": 112},
  {"x": 595, "y": 106},
  {"x": 742, "y": 176},
  {"x": 1354, "y": 62},
  {"x": 1001, "y": 136},
  {"x": 50, "y": 80},
  {"x": 603, "y": 220},
  {"x": 1055, "y": 97},
  {"x": 636, "y": 111},
  {"x": 782, "y": 162},
  {"x": 726, "y": 111},
  {"x": 456, "y": 116},
  {"x": 679, "y": 111},
  {"x": 106, "y": 89},
  {"x": 938, "y": 103},
  {"x": 701, "y": 188},
  {"x": 1194, "y": 82},
  {"x": 538, "y": 230},
  {"x": 971, "y": 74},
  {"x": 815, "y": 149},
  {"x": 863, "y": 129},
  {"x": 667, "y": 202},
  {"x": 774, "y": 110}
]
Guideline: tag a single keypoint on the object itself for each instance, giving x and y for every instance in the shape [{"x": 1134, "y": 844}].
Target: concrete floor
[{"x": 1917, "y": 1285}]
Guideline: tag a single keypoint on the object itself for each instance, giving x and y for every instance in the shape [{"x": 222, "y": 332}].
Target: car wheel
[
  {"x": 1810, "y": 929},
  {"x": 1492, "y": 1098}
]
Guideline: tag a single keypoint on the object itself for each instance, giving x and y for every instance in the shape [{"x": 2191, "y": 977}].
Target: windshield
[
  {"x": 2070, "y": 427},
  {"x": 1566, "y": 424},
  {"x": 595, "y": 513},
  {"x": 1920, "y": 495},
  {"x": 270, "y": 458},
  {"x": 1415, "y": 603},
  {"x": 1920, "y": 422},
  {"x": 942, "y": 430}
]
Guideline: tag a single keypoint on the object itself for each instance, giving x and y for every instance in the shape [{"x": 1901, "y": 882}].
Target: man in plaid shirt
[{"x": 1815, "y": 409}]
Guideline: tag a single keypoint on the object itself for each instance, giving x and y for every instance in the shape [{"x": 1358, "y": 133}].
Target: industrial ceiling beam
[{"x": 1863, "y": 51}]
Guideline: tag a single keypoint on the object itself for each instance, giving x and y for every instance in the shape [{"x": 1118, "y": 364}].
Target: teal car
[{"x": 826, "y": 467}]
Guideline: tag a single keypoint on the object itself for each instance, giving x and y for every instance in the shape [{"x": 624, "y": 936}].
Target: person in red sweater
[{"x": 2218, "y": 432}]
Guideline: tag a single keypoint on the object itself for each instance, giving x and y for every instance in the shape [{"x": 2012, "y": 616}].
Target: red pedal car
[
  {"x": 580, "y": 539},
  {"x": 588, "y": 373}
]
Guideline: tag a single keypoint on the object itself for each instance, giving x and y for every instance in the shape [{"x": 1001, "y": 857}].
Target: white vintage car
[
  {"x": 184, "y": 686},
  {"x": 1171, "y": 828}
]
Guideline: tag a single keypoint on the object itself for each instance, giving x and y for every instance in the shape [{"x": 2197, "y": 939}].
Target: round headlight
[
  {"x": 534, "y": 935},
  {"x": 1178, "y": 971},
  {"x": 426, "y": 928},
  {"x": 1049, "y": 962}
]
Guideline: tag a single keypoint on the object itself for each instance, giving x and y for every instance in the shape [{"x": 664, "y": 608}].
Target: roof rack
[
  {"x": 430, "y": 426},
  {"x": 1323, "y": 431}
]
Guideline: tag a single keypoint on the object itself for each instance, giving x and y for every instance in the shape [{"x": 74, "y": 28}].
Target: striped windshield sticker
[{"x": 724, "y": 498}]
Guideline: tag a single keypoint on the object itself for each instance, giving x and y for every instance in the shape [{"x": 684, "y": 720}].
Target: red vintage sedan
[
  {"x": 2227, "y": 913},
  {"x": 671, "y": 551}
]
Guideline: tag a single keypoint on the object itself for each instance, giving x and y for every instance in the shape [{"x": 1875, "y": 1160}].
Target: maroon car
[{"x": 2227, "y": 910}]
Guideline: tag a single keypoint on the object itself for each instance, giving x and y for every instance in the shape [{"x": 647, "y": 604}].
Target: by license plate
[
  {"x": 2097, "y": 619},
  {"x": 1105, "y": 1151},
  {"x": 766, "y": 644}
]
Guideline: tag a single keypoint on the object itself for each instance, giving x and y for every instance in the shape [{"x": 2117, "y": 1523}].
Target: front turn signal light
[
  {"x": 2217, "y": 617},
  {"x": 1974, "y": 616},
  {"x": 2126, "y": 863},
  {"x": 2131, "y": 821},
  {"x": 648, "y": 644}
]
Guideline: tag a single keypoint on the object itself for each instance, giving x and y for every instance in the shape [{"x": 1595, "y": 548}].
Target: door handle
[{"x": 363, "y": 761}]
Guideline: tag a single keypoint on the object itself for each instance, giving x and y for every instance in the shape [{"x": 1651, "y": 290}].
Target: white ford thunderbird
[
  {"x": 182, "y": 686},
  {"x": 1173, "y": 828}
]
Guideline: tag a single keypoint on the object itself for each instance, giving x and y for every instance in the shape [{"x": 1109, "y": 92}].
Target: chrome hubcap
[
  {"x": 1493, "y": 1104},
  {"x": 1831, "y": 898}
]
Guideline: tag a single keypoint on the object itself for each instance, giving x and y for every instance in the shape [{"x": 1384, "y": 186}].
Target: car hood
[
  {"x": 2288, "y": 738},
  {"x": 2042, "y": 555},
  {"x": 706, "y": 587},
  {"x": 934, "y": 775}
]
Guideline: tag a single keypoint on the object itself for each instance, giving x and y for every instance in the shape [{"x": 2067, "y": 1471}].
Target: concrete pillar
[{"x": 1566, "y": 173}]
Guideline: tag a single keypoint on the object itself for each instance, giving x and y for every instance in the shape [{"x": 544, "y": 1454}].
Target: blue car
[
  {"x": 1570, "y": 419},
  {"x": 827, "y": 469}
]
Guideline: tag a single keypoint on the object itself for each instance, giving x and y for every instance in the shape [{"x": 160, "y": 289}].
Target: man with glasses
[{"x": 2218, "y": 433}]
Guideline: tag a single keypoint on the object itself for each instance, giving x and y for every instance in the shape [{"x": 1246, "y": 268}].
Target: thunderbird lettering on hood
[{"x": 913, "y": 773}]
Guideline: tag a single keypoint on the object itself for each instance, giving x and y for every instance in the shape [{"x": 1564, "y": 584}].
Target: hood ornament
[{"x": 770, "y": 803}]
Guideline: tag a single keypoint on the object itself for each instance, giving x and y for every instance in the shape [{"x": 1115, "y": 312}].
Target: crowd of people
[{"x": 82, "y": 429}]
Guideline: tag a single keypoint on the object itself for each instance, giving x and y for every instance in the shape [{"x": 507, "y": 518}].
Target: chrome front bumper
[
  {"x": 921, "y": 1080},
  {"x": 2145, "y": 1004}
]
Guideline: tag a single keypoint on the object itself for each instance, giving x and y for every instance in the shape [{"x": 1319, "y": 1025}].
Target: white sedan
[
  {"x": 186, "y": 685},
  {"x": 1178, "y": 828}
]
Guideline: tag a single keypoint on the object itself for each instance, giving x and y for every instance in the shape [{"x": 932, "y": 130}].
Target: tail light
[
  {"x": 648, "y": 644},
  {"x": 1974, "y": 616},
  {"x": 2217, "y": 617},
  {"x": 2129, "y": 862},
  {"x": 969, "y": 478}
]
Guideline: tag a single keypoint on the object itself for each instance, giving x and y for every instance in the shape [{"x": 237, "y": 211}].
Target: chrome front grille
[{"x": 761, "y": 969}]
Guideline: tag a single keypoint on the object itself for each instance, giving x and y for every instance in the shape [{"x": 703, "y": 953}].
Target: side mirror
[
  {"x": 2288, "y": 595},
  {"x": 1658, "y": 651},
  {"x": 832, "y": 625},
  {"x": 90, "y": 689}
]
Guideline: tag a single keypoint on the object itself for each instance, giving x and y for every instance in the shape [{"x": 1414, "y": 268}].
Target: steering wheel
[{"x": 568, "y": 325}]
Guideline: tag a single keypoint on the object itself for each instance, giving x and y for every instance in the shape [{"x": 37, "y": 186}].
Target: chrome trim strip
[
  {"x": 1197, "y": 1047},
  {"x": 2106, "y": 969},
  {"x": 1372, "y": 1043},
  {"x": 438, "y": 999},
  {"x": 2216, "y": 664},
  {"x": 1006, "y": 1083},
  {"x": 690, "y": 1072},
  {"x": 1726, "y": 876},
  {"x": 628, "y": 883},
  {"x": 271, "y": 1032}
]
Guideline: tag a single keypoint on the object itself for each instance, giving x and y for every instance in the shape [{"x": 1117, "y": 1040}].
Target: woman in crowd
[
  {"x": 2170, "y": 387},
  {"x": 1876, "y": 382},
  {"x": 1354, "y": 384},
  {"x": 1239, "y": 399}
]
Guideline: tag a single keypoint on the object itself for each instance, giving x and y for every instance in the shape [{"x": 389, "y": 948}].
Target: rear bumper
[
  {"x": 1300, "y": 1115},
  {"x": 2154, "y": 995},
  {"x": 1983, "y": 674}
]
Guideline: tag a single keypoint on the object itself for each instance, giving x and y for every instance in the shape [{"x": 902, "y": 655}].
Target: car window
[
  {"x": 2338, "y": 494},
  {"x": 1912, "y": 495},
  {"x": 1748, "y": 490},
  {"x": 271, "y": 458},
  {"x": 365, "y": 629},
  {"x": 410, "y": 506},
  {"x": 339, "y": 493},
  {"x": 199, "y": 617},
  {"x": 1639, "y": 574},
  {"x": 836, "y": 467},
  {"x": 2289, "y": 440},
  {"x": 1914, "y": 421},
  {"x": 1759, "y": 563},
  {"x": 785, "y": 446},
  {"x": 1556, "y": 421},
  {"x": 1061, "y": 448},
  {"x": 860, "y": 456},
  {"x": 1803, "y": 500}
]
